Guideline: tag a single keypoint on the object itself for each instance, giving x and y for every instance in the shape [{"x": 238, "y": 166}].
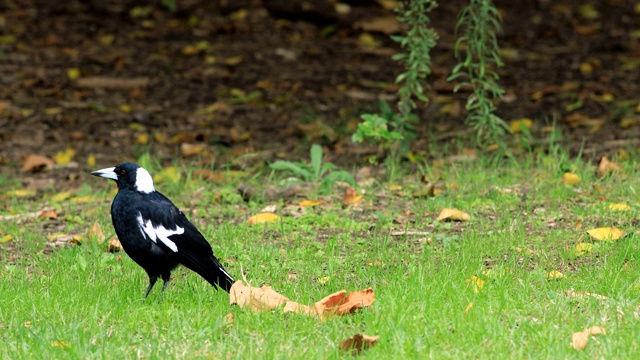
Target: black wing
[{"x": 170, "y": 229}]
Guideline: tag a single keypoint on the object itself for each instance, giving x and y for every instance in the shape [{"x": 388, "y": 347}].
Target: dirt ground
[{"x": 117, "y": 78}]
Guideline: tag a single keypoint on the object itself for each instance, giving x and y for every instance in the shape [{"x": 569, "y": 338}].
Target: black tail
[{"x": 210, "y": 269}]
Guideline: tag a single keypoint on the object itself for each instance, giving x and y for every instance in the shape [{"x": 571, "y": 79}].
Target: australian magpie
[{"x": 155, "y": 233}]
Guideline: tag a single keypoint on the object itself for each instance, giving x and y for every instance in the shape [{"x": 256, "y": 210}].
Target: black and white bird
[{"x": 155, "y": 233}]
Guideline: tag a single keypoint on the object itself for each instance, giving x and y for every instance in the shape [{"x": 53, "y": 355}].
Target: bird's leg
[
  {"x": 152, "y": 281},
  {"x": 165, "y": 278}
]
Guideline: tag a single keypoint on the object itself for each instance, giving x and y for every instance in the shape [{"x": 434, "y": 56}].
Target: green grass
[{"x": 92, "y": 301}]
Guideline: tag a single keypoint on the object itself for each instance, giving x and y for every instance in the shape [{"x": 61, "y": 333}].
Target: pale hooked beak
[{"x": 108, "y": 173}]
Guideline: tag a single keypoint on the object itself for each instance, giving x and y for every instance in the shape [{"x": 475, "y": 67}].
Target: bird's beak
[{"x": 106, "y": 173}]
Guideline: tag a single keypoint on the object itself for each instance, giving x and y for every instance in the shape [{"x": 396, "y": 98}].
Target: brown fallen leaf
[
  {"x": 36, "y": 163},
  {"x": 292, "y": 306},
  {"x": 581, "y": 295},
  {"x": 261, "y": 299},
  {"x": 358, "y": 342},
  {"x": 192, "y": 149},
  {"x": 95, "y": 233},
  {"x": 351, "y": 197},
  {"x": 580, "y": 339},
  {"x": 112, "y": 83},
  {"x": 114, "y": 245},
  {"x": 453, "y": 214},
  {"x": 385, "y": 24},
  {"x": 48, "y": 214},
  {"x": 339, "y": 303},
  {"x": 229, "y": 318},
  {"x": 605, "y": 167}
]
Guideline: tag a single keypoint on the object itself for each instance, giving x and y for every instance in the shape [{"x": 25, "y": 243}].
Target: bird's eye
[{"x": 123, "y": 171}]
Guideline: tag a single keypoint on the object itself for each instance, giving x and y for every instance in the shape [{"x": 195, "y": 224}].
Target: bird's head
[{"x": 128, "y": 176}]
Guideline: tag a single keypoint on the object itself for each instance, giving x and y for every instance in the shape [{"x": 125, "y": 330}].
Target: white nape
[
  {"x": 159, "y": 232},
  {"x": 144, "y": 182}
]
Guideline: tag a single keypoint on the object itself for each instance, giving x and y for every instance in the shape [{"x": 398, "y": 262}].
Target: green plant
[
  {"x": 393, "y": 130},
  {"x": 375, "y": 128},
  {"x": 481, "y": 22},
  {"x": 317, "y": 171}
]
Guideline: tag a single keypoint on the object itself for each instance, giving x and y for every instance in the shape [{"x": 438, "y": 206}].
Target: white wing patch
[{"x": 159, "y": 232}]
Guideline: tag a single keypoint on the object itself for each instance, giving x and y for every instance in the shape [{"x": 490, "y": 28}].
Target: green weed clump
[
  {"x": 480, "y": 22},
  {"x": 394, "y": 131}
]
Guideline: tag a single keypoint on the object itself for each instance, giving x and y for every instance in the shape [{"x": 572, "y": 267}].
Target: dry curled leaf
[
  {"x": 114, "y": 245},
  {"x": 358, "y": 342},
  {"x": 95, "y": 233},
  {"x": 453, "y": 214},
  {"x": 605, "y": 167},
  {"x": 229, "y": 318},
  {"x": 292, "y": 306},
  {"x": 581, "y": 295},
  {"x": 580, "y": 339},
  {"x": 36, "y": 163},
  {"x": 261, "y": 299},
  {"x": 49, "y": 214},
  {"x": 606, "y": 233},
  {"x": 339, "y": 303},
  {"x": 265, "y": 217},
  {"x": 351, "y": 197}
]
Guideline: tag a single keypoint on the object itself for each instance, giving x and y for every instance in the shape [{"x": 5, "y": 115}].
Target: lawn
[{"x": 514, "y": 281}]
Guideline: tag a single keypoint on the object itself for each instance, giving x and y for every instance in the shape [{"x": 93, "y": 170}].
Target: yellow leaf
[
  {"x": 65, "y": 156},
  {"x": 125, "y": 108},
  {"x": 305, "y": 203},
  {"x": 73, "y": 73},
  {"x": 477, "y": 283},
  {"x": 570, "y": 178},
  {"x": 368, "y": 41},
  {"x": 91, "y": 161},
  {"x": 619, "y": 207},
  {"x": 7, "y": 238},
  {"x": 554, "y": 275},
  {"x": 517, "y": 125},
  {"x": 170, "y": 173},
  {"x": 606, "y": 233},
  {"x": 263, "y": 218},
  {"x": 142, "y": 139},
  {"x": 583, "y": 248},
  {"x": 453, "y": 214},
  {"x": 234, "y": 60},
  {"x": 393, "y": 187},
  {"x": 469, "y": 306},
  {"x": 61, "y": 196},
  {"x": 323, "y": 280},
  {"x": 60, "y": 344},
  {"x": 22, "y": 192},
  {"x": 83, "y": 199},
  {"x": 192, "y": 149}
]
